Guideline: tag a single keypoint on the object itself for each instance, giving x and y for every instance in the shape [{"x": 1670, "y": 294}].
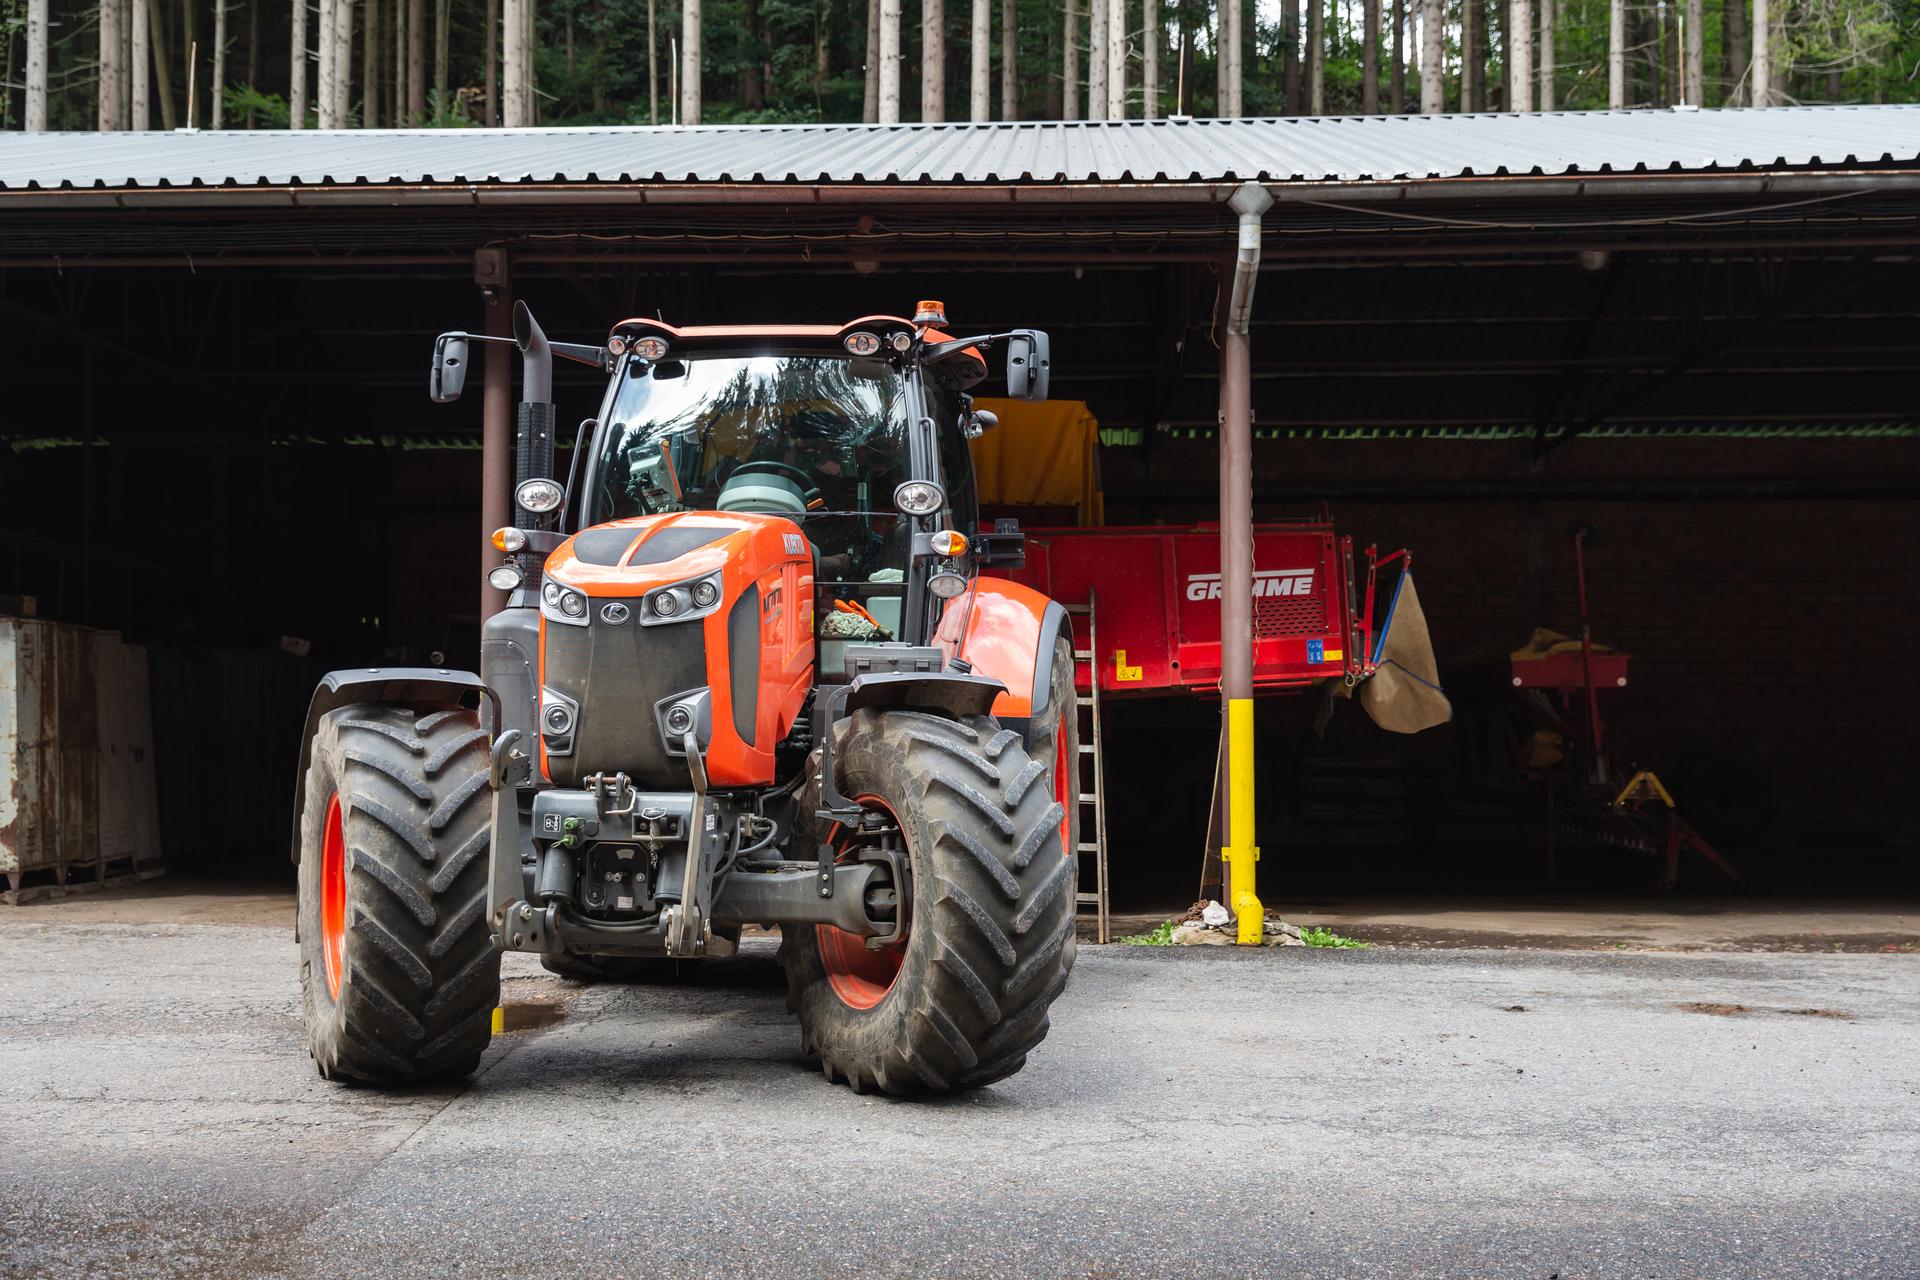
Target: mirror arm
[
  {"x": 578, "y": 352},
  {"x": 954, "y": 346}
]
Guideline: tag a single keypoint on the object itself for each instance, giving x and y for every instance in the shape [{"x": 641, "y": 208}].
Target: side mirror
[
  {"x": 1029, "y": 365},
  {"x": 449, "y": 368},
  {"x": 981, "y": 421}
]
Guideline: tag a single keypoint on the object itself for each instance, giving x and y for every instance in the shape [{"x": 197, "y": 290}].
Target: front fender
[
  {"x": 401, "y": 686},
  {"x": 1011, "y": 630}
]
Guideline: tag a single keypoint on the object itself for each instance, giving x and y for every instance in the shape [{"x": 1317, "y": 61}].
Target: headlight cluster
[
  {"x": 681, "y": 602},
  {"x": 561, "y": 603},
  {"x": 919, "y": 498}
]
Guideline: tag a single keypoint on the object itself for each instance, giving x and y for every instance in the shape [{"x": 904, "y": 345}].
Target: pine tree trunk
[
  {"x": 889, "y": 60},
  {"x": 1520, "y": 56},
  {"x": 140, "y": 68},
  {"x": 1316, "y": 57},
  {"x": 106, "y": 85},
  {"x": 417, "y": 61},
  {"x": 1235, "y": 51},
  {"x": 1009, "y": 61},
  {"x": 217, "y": 113},
  {"x": 253, "y": 49},
  {"x": 490, "y": 54},
  {"x": 1397, "y": 80},
  {"x": 750, "y": 96},
  {"x": 162, "y": 70},
  {"x": 343, "y": 59},
  {"x": 1149, "y": 59},
  {"x": 373, "y": 51},
  {"x": 1734, "y": 51},
  {"x": 1617, "y": 54},
  {"x": 1097, "y": 60},
  {"x": 1116, "y": 59},
  {"x": 1548, "y": 31},
  {"x": 870, "y": 95},
  {"x": 442, "y": 38},
  {"x": 1469, "y": 46},
  {"x": 933, "y": 60},
  {"x": 37, "y": 45},
  {"x": 1696, "y": 52},
  {"x": 1433, "y": 65},
  {"x": 601, "y": 103},
  {"x": 1070, "y": 63},
  {"x": 822, "y": 56},
  {"x": 323, "y": 85},
  {"x": 399, "y": 33},
  {"x": 980, "y": 62},
  {"x": 1292, "y": 102},
  {"x": 1779, "y": 68},
  {"x": 1370, "y": 57}
]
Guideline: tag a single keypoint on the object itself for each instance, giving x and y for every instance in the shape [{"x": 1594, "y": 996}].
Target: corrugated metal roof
[{"x": 1325, "y": 149}]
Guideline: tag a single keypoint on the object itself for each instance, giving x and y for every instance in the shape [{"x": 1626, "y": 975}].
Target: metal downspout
[{"x": 1240, "y": 853}]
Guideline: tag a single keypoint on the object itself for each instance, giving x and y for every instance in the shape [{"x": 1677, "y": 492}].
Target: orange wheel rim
[
  {"x": 1064, "y": 790},
  {"x": 333, "y": 896},
  {"x": 859, "y": 975}
]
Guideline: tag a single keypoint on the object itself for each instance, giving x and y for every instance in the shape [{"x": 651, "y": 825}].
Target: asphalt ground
[{"x": 1199, "y": 1111}]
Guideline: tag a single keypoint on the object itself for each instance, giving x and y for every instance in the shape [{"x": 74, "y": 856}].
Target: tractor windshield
[
  {"x": 820, "y": 439},
  {"x": 823, "y": 435}
]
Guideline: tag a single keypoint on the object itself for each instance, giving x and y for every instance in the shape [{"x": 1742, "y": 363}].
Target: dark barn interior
[{"x": 218, "y": 442}]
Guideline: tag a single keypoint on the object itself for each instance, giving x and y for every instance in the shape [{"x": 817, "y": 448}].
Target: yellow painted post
[{"x": 1240, "y": 853}]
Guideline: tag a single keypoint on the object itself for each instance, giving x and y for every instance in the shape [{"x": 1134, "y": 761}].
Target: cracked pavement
[{"x": 1205, "y": 1111}]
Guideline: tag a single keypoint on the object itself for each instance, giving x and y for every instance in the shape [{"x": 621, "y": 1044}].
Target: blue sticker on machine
[{"x": 1316, "y": 651}]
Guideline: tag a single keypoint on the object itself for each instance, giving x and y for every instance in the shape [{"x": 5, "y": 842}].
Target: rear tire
[
  {"x": 398, "y": 973},
  {"x": 1053, "y": 738},
  {"x": 965, "y": 999}
]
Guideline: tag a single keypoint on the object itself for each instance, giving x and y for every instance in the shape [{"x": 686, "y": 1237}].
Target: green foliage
[
  {"x": 1320, "y": 936},
  {"x": 269, "y": 110},
  {"x": 1161, "y": 935}
]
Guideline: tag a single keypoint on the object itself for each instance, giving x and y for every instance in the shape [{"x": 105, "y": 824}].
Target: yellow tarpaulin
[{"x": 1043, "y": 454}]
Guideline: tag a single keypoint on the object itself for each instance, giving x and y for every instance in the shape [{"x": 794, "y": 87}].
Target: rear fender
[
  {"x": 1011, "y": 631},
  {"x": 399, "y": 686}
]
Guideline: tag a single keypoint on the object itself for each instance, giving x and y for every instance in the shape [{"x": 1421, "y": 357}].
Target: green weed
[{"x": 1318, "y": 936}]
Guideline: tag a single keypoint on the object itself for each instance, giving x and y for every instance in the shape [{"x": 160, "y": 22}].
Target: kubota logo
[{"x": 1266, "y": 582}]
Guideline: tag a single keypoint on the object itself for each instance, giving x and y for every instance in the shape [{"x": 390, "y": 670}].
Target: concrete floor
[
  {"x": 1567, "y": 922},
  {"x": 1205, "y": 1111}
]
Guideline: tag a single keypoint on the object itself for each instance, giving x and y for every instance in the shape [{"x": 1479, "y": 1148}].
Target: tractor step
[{"x": 1092, "y": 796}]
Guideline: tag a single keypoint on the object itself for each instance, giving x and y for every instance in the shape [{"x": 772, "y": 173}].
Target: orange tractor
[{"x": 748, "y": 673}]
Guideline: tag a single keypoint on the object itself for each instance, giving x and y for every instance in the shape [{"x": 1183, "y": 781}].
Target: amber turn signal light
[
  {"x": 950, "y": 542},
  {"x": 509, "y": 540}
]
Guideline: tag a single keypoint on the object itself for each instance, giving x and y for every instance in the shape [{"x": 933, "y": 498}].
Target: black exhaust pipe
[{"x": 535, "y": 416}]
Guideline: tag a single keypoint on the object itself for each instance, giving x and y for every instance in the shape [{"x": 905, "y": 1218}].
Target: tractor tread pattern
[
  {"x": 421, "y": 975},
  {"x": 971, "y": 1001}
]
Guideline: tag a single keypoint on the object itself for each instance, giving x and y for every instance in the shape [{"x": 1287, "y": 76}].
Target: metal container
[{"x": 77, "y": 802}]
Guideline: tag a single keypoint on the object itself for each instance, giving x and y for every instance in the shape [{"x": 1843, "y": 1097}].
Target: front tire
[
  {"x": 399, "y": 975},
  {"x": 964, "y": 1000}
]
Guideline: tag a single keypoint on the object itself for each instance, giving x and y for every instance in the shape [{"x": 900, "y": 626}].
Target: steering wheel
[{"x": 808, "y": 490}]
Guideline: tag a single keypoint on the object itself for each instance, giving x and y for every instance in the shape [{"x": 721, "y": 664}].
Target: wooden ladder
[{"x": 1094, "y": 797}]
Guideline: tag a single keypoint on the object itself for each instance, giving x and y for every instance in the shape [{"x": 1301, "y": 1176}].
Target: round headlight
[
  {"x": 862, "y": 344},
  {"x": 650, "y": 348},
  {"x": 901, "y": 340},
  {"x": 551, "y": 595},
  {"x": 665, "y": 605},
  {"x": 573, "y": 604},
  {"x": 504, "y": 578},
  {"x": 617, "y": 344},
  {"x": 706, "y": 594},
  {"x": 559, "y": 718},
  {"x": 539, "y": 495},
  {"x": 679, "y": 719},
  {"x": 946, "y": 585},
  {"x": 919, "y": 498}
]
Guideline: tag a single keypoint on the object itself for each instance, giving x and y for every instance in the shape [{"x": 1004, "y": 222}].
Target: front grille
[{"x": 617, "y": 673}]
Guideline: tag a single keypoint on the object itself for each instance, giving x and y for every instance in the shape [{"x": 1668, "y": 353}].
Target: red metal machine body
[{"x": 1158, "y": 591}]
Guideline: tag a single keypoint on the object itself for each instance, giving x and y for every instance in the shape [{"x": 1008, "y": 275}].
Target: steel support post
[
  {"x": 490, "y": 272},
  {"x": 1239, "y": 851}
]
